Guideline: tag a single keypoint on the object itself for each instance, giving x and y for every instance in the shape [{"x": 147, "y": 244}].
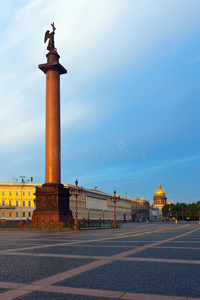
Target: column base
[{"x": 52, "y": 204}]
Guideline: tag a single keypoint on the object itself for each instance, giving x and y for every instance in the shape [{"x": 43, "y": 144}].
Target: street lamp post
[
  {"x": 88, "y": 214},
  {"x": 76, "y": 191},
  {"x": 114, "y": 199},
  {"x": 88, "y": 221}
]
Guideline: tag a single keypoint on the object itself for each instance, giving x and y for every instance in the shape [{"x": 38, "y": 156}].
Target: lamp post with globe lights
[
  {"x": 114, "y": 199},
  {"x": 76, "y": 191}
]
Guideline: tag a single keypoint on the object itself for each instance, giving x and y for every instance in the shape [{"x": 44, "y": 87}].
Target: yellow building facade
[{"x": 17, "y": 200}]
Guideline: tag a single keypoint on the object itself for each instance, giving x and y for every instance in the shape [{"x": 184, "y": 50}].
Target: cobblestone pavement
[{"x": 154, "y": 261}]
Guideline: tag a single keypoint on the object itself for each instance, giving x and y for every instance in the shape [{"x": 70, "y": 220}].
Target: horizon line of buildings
[{"x": 17, "y": 203}]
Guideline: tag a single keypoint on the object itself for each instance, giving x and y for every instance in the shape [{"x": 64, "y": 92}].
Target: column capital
[
  {"x": 53, "y": 66},
  {"x": 53, "y": 63}
]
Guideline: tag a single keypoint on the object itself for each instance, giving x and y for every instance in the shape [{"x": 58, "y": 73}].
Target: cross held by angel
[{"x": 50, "y": 36}]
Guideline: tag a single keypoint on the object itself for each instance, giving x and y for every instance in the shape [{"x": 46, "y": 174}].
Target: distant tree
[
  {"x": 165, "y": 211},
  {"x": 198, "y": 207},
  {"x": 193, "y": 213},
  {"x": 181, "y": 209},
  {"x": 173, "y": 211}
]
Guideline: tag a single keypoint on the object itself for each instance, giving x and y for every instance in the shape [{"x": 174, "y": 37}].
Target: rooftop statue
[{"x": 50, "y": 36}]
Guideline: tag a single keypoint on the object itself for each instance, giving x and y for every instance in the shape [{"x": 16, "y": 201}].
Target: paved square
[
  {"x": 157, "y": 278},
  {"x": 58, "y": 296},
  {"x": 154, "y": 261}
]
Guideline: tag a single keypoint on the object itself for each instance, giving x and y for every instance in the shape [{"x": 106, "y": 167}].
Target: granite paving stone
[
  {"x": 140, "y": 239},
  {"x": 141, "y": 277},
  {"x": 25, "y": 269},
  {"x": 147, "y": 238},
  {"x": 196, "y": 233},
  {"x": 58, "y": 296},
  {"x": 190, "y": 237},
  {"x": 120, "y": 243},
  {"x": 185, "y": 239},
  {"x": 90, "y": 251},
  {"x": 4, "y": 247},
  {"x": 188, "y": 254},
  {"x": 180, "y": 244}
]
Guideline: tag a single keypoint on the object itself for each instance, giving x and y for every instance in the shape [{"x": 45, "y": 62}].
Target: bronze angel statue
[{"x": 50, "y": 36}]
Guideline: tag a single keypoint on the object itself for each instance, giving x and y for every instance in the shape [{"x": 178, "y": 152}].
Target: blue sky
[{"x": 129, "y": 103}]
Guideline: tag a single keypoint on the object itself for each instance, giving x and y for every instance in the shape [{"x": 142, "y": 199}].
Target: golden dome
[{"x": 159, "y": 191}]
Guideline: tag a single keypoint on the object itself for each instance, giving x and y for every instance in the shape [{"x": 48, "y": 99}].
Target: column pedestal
[{"x": 52, "y": 204}]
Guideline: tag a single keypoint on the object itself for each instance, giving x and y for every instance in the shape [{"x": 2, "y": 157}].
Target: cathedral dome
[{"x": 159, "y": 191}]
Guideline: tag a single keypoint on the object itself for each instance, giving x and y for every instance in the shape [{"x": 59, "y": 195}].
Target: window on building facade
[
  {"x": 10, "y": 193},
  {"x": 17, "y": 214},
  {"x": 17, "y": 203},
  {"x": 10, "y": 214},
  {"x": 17, "y": 193},
  {"x": 29, "y": 193},
  {"x": 24, "y": 193},
  {"x": 10, "y": 203},
  {"x": 3, "y": 214},
  {"x": 3, "y": 203},
  {"x": 29, "y": 203},
  {"x": 23, "y": 215},
  {"x": 24, "y": 204},
  {"x": 3, "y": 193},
  {"x": 29, "y": 214}
]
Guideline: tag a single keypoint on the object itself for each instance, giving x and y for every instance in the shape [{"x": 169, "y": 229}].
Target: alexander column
[{"x": 52, "y": 199}]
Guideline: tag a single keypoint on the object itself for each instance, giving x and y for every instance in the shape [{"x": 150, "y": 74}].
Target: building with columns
[
  {"x": 17, "y": 203},
  {"x": 94, "y": 204}
]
